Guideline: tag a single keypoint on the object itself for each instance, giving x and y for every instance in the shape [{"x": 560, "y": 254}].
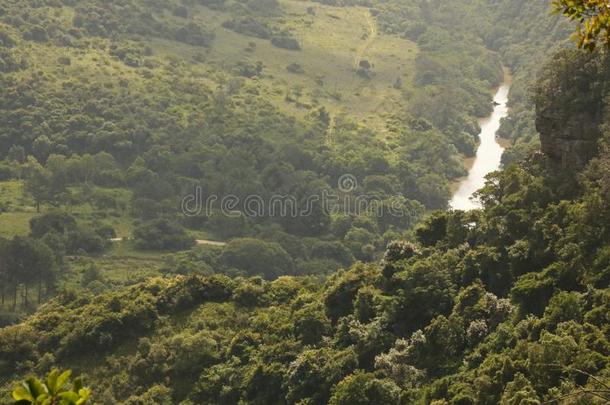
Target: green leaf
[
  {"x": 42, "y": 398},
  {"x": 23, "y": 393},
  {"x": 69, "y": 396},
  {"x": 36, "y": 387},
  {"x": 52, "y": 381},
  {"x": 84, "y": 394},
  {"x": 77, "y": 385},
  {"x": 62, "y": 379}
]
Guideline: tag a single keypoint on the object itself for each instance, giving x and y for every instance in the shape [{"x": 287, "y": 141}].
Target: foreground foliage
[
  {"x": 593, "y": 17},
  {"x": 52, "y": 391}
]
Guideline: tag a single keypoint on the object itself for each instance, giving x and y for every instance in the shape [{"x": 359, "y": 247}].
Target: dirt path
[
  {"x": 210, "y": 242},
  {"x": 361, "y": 52},
  {"x": 199, "y": 241}
]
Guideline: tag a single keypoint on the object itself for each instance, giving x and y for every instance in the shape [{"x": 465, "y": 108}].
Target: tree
[
  {"x": 162, "y": 234},
  {"x": 423, "y": 291},
  {"x": 311, "y": 324},
  {"x": 41, "y": 185},
  {"x": 16, "y": 154},
  {"x": 52, "y": 390},
  {"x": 332, "y": 250},
  {"x": 593, "y": 17},
  {"x": 28, "y": 261},
  {"x": 257, "y": 258},
  {"x": 363, "y": 388},
  {"x": 53, "y": 221},
  {"x": 361, "y": 243},
  {"x": 433, "y": 229},
  {"x": 343, "y": 288},
  {"x": 42, "y": 148}
]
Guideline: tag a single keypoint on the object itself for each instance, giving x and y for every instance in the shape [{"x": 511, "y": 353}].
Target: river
[{"x": 489, "y": 152}]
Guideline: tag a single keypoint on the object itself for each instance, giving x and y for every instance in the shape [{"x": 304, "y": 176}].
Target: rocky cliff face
[
  {"x": 570, "y": 142},
  {"x": 570, "y": 106}
]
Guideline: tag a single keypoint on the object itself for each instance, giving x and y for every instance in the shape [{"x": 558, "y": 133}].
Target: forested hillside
[
  {"x": 508, "y": 304},
  {"x": 113, "y": 111},
  {"x": 505, "y": 305},
  {"x": 525, "y": 43}
]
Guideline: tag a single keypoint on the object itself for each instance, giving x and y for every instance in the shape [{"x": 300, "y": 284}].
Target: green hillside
[
  {"x": 113, "y": 112},
  {"x": 137, "y": 138},
  {"x": 482, "y": 308}
]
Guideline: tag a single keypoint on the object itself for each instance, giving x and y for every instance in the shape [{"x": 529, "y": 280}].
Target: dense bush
[
  {"x": 257, "y": 258},
  {"x": 248, "y": 26},
  {"x": 286, "y": 43},
  {"x": 70, "y": 236},
  {"x": 162, "y": 234}
]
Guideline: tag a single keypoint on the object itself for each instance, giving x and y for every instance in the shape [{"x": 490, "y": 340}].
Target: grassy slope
[
  {"x": 18, "y": 209},
  {"x": 332, "y": 43}
]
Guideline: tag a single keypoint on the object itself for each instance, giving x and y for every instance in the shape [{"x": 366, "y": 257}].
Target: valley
[
  {"x": 269, "y": 202},
  {"x": 489, "y": 152}
]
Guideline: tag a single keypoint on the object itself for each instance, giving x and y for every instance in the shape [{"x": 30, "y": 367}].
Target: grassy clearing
[
  {"x": 333, "y": 42},
  {"x": 114, "y": 270},
  {"x": 127, "y": 250},
  {"x": 16, "y": 209},
  {"x": 15, "y": 224}
]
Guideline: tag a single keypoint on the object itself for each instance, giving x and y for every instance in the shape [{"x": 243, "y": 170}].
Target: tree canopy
[{"x": 593, "y": 18}]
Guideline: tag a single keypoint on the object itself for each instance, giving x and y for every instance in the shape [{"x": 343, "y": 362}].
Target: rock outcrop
[
  {"x": 570, "y": 142},
  {"x": 570, "y": 101}
]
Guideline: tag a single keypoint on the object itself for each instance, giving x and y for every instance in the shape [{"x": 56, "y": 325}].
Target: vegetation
[
  {"x": 51, "y": 391},
  {"x": 593, "y": 21},
  {"x": 149, "y": 102},
  {"x": 112, "y": 112},
  {"x": 482, "y": 308}
]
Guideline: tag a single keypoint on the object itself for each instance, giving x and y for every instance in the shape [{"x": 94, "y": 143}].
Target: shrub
[
  {"x": 193, "y": 34},
  {"x": 248, "y": 26},
  {"x": 162, "y": 234},
  {"x": 257, "y": 258},
  {"x": 295, "y": 68},
  {"x": 52, "y": 390},
  {"x": 286, "y": 43}
]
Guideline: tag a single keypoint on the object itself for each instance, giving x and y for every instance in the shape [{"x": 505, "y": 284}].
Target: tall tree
[
  {"x": 4, "y": 275},
  {"x": 29, "y": 262},
  {"x": 41, "y": 184}
]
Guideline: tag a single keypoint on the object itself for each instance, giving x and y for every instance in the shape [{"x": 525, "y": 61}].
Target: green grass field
[
  {"x": 333, "y": 41},
  {"x": 16, "y": 209}
]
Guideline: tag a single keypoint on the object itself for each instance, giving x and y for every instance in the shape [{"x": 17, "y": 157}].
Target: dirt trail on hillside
[
  {"x": 210, "y": 242},
  {"x": 198, "y": 241},
  {"x": 369, "y": 41}
]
